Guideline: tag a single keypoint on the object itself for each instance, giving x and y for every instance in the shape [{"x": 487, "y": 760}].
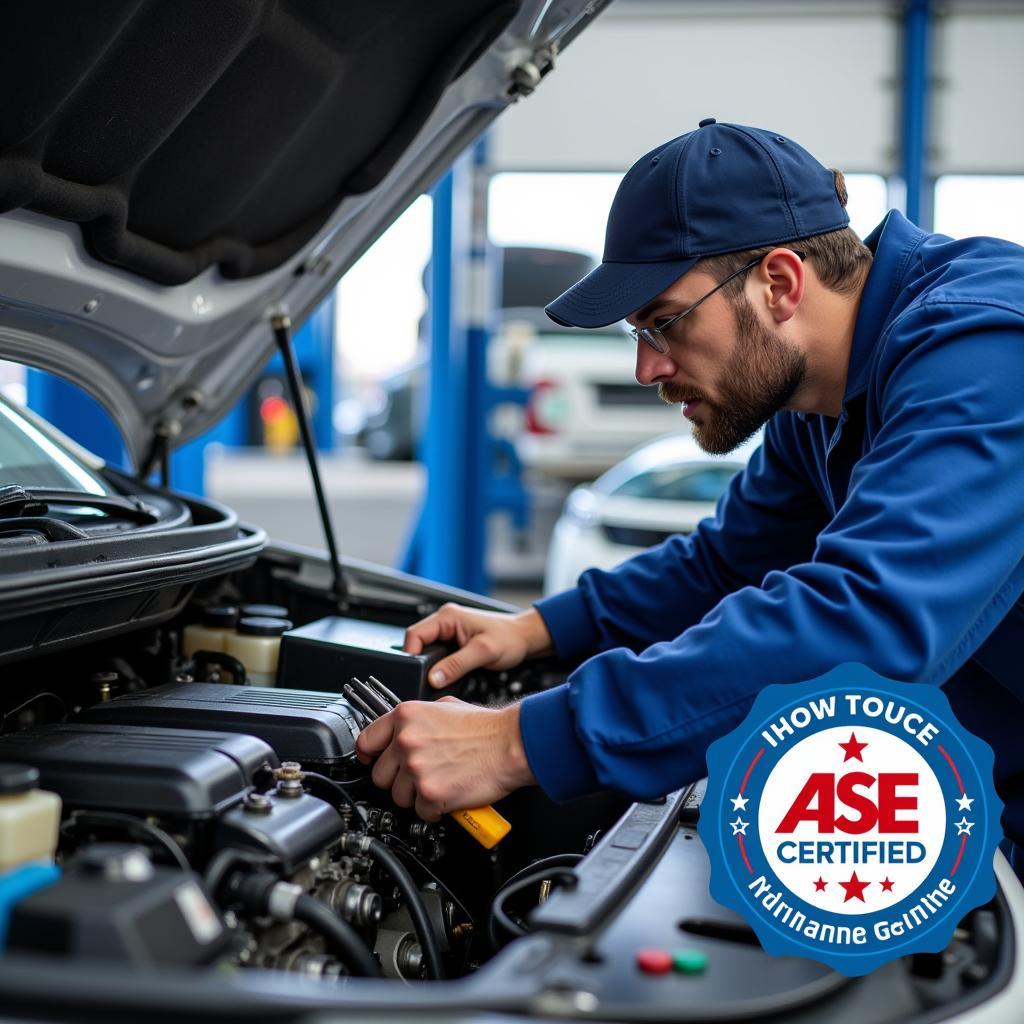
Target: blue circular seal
[{"x": 851, "y": 820}]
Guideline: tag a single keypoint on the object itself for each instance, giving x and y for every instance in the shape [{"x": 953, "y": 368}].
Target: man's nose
[{"x": 652, "y": 367}]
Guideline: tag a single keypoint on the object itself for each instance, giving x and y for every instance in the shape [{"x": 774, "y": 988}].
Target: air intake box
[
  {"x": 186, "y": 774},
  {"x": 317, "y": 729}
]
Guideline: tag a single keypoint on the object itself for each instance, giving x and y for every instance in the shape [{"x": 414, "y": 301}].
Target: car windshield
[
  {"x": 31, "y": 458},
  {"x": 680, "y": 483}
]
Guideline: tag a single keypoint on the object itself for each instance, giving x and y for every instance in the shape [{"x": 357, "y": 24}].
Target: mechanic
[{"x": 881, "y": 521}]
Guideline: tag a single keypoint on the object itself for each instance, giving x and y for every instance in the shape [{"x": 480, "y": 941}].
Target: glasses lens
[{"x": 654, "y": 338}]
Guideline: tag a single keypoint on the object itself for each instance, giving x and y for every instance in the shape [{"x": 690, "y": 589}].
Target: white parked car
[
  {"x": 665, "y": 487},
  {"x": 586, "y": 410}
]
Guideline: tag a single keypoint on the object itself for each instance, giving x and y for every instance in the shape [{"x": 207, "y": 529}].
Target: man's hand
[
  {"x": 495, "y": 640},
  {"x": 446, "y": 755}
]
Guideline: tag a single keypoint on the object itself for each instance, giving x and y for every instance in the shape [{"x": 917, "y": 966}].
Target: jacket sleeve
[
  {"x": 916, "y": 569},
  {"x": 767, "y": 519}
]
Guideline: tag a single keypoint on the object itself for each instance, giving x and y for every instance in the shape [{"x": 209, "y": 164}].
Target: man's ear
[{"x": 780, "y": 280}]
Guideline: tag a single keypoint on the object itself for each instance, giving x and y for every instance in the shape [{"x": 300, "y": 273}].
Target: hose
[
  {"x": 139, "y": 825},
  {"x": 558, "y": 860},
  {"x": 376, "y": 850},
  {"x": 263, "y": 893},
  {"x": 340, "y": 937},
  {"x": 518, "y": 884}
]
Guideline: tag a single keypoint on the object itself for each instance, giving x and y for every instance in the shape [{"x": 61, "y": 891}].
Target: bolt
[
  {"x": 525, "y": 79},
  {"x": 168, "y": 428},
  {"x": 257, "y": 803},
  {"x": 290, "y": 770},
  {"x": 91, "y": 306}
]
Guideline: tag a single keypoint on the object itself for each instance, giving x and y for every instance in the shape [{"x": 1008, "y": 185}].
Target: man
[{"x": 881, "y": 521}]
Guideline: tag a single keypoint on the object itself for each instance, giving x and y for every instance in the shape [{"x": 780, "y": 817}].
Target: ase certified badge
[{"x": 851, "y": 820}]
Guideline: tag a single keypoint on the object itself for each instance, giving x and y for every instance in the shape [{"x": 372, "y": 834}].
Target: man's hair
[{"x": 840, "y": 257}]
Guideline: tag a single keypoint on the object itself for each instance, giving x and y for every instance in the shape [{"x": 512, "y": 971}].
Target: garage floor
[{"x": 373, "y": 504}]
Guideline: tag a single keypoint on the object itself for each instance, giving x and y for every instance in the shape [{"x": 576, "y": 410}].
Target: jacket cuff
[
  {"x": 571, "y": 628},
  {"x": 555, "y": 754}
]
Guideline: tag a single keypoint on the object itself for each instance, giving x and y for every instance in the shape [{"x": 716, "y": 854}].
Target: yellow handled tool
[
  {"x": 484, "y": 824},
  {"x": 374, "y": 699}
]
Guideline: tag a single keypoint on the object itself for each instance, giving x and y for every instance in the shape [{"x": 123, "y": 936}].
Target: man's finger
[
  {"x": 427, "y": 811},
  {"x": 477, "y": 653},
  {"x": 386, "y": 769},
  {"x": 403, "y": 789},
  {"x": 375, "y": 737}
]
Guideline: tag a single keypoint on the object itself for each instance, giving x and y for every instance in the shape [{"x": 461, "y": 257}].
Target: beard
[{"x": 759, "y": 380}]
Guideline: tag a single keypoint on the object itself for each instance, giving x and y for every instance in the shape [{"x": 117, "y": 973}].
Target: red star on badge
[
  {"x": 886, "y": 885},
  {"x": 819, "y": 885},
  {"x": 852, "y": 748},
  {"x": 854, "y": 888}
]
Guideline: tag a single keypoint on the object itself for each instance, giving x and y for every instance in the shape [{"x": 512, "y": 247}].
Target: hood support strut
[{"x": 282, "y": 326}]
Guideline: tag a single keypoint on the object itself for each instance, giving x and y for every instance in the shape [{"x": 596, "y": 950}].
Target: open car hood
[{"x": 174, "y": 174}]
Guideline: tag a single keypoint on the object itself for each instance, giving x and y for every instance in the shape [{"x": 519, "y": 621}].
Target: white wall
[
  {"x": 643, "y": 74},
  {"x": 824, "y": 72},
  {"x": 977, "y": 102}
]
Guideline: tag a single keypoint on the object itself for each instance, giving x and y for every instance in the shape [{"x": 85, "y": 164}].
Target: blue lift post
[
  {"x": 443, "y": 535},
  {"x": 448, "y": 540},
  {"x": 914, "y": 109}
]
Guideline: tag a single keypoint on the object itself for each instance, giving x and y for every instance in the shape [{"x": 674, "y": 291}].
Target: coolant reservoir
[
  {"x": 210, "y": 633},
  {"x": 29, "y": 818},
  {"x": 256, "y": 643}
]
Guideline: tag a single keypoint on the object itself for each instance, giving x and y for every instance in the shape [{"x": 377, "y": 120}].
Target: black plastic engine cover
[
  {"x": 317, "y": 729},
  {"x": 183, "y": 773}
]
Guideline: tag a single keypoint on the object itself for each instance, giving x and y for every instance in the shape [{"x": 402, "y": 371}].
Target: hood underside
[{"x": 172, "y": 173}]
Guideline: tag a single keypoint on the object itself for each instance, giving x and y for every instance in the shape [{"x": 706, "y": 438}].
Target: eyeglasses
[{"x": 655, "y": 336}]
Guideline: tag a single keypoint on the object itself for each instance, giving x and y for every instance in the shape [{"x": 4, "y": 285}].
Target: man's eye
[{"x": 661, "y": 321}]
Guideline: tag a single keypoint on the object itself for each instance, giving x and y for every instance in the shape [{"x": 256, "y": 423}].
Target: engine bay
[
  {"x": 169, "y": 762},
  {"x": 206, "y": 813}
]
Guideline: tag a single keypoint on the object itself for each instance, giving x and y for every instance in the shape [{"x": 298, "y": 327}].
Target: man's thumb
[{"x": 476, "y": 653}]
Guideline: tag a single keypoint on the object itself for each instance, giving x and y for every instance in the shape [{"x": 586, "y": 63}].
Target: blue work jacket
[{"x": 891, "y": 536}]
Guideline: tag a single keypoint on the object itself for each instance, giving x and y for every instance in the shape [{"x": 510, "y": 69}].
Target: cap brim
[{"x": 612, "y": 291}]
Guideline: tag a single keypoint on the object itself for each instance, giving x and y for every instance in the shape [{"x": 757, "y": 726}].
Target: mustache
[{"x": 673, "y": 394}]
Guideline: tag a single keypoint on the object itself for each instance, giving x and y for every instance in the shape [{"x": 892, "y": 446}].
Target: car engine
[{"x": 206, "y": 821}]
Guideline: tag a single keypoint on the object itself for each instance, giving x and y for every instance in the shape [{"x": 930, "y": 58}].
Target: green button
[{"x": 689, "y": 961}]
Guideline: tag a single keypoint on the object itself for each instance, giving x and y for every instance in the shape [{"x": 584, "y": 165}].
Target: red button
[{"x": 654, "y": 961}]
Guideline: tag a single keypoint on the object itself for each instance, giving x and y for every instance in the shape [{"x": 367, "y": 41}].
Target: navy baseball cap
[{"x": 722, "y": 188}]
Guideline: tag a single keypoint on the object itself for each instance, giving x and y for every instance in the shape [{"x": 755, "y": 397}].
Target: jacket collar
[{"x": 893, "y": 243}]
